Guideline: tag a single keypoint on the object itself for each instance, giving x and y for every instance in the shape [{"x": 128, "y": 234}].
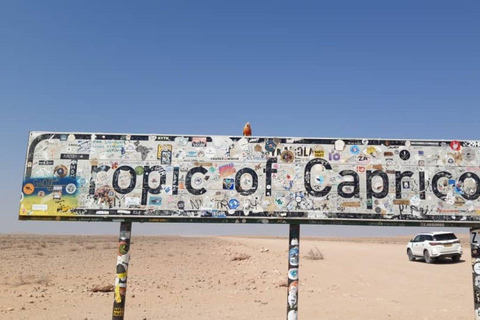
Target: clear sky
[{"x": 389, "y": 69}]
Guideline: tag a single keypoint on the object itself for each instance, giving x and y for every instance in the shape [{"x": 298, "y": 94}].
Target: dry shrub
[
  {"x": 241, "y": 257},
  {"x": 282, "y": 284},
  {"x": 90, "y": 247},
  {"x": 105, "y": 288},
  {"x": 22, "y": 280},
  {"x": 314, "y": 254}
]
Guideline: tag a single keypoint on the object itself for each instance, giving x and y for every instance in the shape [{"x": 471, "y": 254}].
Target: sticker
[
  {"x": 181, "y": 141},
  {"x": 455, "y": 145},
  {"x": 292, "y": 294},
  {"x": 210, "y": 152},
  {"x": 155, "y": 201},
  {"x": 41, "y": 193},
  {"x": 287, "y": 156},
  {"x": 39, "y": 207},
  {"x": 354, "y": 150},
  {"x": 181, "y": 205},
  {"x": 166, "y": 157},
  {"x": 233, "y": 204},
  {"x": 198, "y": 142},
  {"x": 476, "y": 268},
  {"x": 71, "y": 188},
  {"x": 415, "y": 200},
  {"x": 293, "y": 274},
  {"x": 292, "y": 315},
  {"x": 132, "y": 201},
  {"x": 404, "y": 155},
  {"x": 294, "y": 242},
  {"x": 227, "y": 170},
  {"x": 363, "y": 159},
  {"x": 319, "y": 153},
  {"x": 60, "y": 171},
  {"x": 468, "y": 154},
  {"x": 228, "y": 184},
  {"x": 57, "y": 192},
  {"x": 270, "y": 146},
  {"x": 28, "y": 188},
  {"x": 122, "y": 248},
  {"x": 339, "y": 145},
  {"x": 293, "y": 255},
  {"x": 139, "y": 170}
]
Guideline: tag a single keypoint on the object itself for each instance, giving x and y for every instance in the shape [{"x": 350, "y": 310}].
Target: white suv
[{"x": 433, "y": 245}]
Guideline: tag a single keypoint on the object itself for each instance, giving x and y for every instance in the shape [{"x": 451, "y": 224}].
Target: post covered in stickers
[
  {"x": 293, "y": 265},
  {"x": 475, "y": 253},
  {"x": 123, "y": 260}
]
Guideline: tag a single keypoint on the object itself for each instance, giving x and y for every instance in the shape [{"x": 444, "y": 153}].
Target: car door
[{"x": 418, "y": 244}]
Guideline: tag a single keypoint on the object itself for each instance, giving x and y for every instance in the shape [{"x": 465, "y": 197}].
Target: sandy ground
[{"x": 50, "y": 277}]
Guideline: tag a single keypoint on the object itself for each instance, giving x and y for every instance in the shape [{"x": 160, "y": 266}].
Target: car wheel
[
  {"x": 410, "y": 255},
  {"x": 456, "y": 258},
  {"x": 427, "y": 257}
]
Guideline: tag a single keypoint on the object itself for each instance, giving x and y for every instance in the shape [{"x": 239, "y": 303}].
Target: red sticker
[{"x": 455, "y": 145}]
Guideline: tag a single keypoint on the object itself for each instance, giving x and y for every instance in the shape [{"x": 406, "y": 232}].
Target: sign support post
[
  {"x": 293, "y": 266},
  {"x": 475, "y": 253},
  {"x": 123, "y": 260}
]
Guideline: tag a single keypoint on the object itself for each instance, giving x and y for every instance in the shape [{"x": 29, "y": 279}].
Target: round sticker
[
  {"x": 122, "y": 248},
  {"x": 336, "y": 156},
  {"x": 270, "y": 146},
  {"x": 70, "y": 188},
  {"x": 404, "y": 155},
  {"x": 139, "y": 170},
  {"x": 28, "y": 188},
  {"x": 354, "y": 150},
  {"x": 476, "y": 268},
  {"x": 455, "y": 145},
  {"x": 287, "y": 156},
  {"x": 293, "y": 274},
  {"x": 233, "y": 204},
  {"x": 469, "y": 154},
  {"x": 60, "y": 171}
]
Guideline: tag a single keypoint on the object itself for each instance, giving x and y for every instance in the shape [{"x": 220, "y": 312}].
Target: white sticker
[
  {"x": 130, "y": 201},
  {"x": 476, "y": 268},
  {"x": 40, "y": 207}
]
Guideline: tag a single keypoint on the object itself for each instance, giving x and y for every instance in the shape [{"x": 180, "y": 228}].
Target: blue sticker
[
  {"x": 155, "y": 201},
  {"x": 233, "y": 204},
  {"x": 354, "y": 150},
  {"x": 270, "y": 146},
  {"x": 228, "y": 184},
  {"x": 451, "y": 181}
]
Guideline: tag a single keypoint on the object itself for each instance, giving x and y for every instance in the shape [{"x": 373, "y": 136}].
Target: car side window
[
  {"x": 417, "y": 239},
  {"x": 422, "y": 238},
  {"x": 428, "y": 238}
]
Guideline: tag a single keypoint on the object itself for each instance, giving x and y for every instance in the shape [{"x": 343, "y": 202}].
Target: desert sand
[{"x": 51, "y": 277}]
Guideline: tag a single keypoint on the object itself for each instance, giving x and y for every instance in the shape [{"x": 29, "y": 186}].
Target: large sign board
[{"x": 171, "y": 178}]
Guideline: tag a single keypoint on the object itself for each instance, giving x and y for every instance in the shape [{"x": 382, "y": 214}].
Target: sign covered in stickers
[{"x": 167, "y": 178}]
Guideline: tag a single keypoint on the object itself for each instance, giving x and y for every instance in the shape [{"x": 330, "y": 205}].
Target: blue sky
[{"x": 393, "y": 69}]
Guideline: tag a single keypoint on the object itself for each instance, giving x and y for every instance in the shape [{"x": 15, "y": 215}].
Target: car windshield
[{"x": 444, "y": 237}]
